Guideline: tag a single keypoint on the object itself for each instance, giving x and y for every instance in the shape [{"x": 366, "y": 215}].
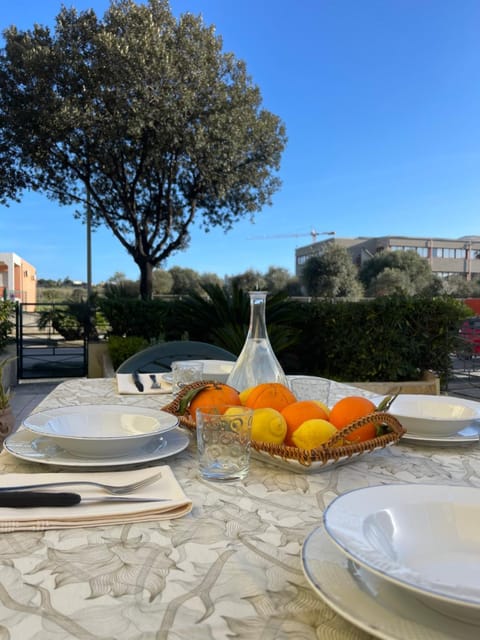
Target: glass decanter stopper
[{"x": 257, "y": 362}]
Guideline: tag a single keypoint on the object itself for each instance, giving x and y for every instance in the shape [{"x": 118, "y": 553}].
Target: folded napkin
[
  {"x": 143, "y": 383},
  {"x": 91, "y": 514}
]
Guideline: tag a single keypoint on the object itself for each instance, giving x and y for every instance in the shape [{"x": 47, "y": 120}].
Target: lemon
[
  {"x": 231, "y": 411},
  {"x": 239, "y": 411},
  {"x": 244, "y": 394},
  {"x": 313, "y": 433},
  {"x": 268, "y": 425},
  {"x": 323, "y": 406}
]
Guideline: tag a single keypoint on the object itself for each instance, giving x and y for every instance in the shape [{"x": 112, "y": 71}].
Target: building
[
  {"x": 446, "y": 257},
  {"x": 18, "y": 279}
]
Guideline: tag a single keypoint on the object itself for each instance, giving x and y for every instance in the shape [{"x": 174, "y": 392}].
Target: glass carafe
[{"x": 257, "y": 362}]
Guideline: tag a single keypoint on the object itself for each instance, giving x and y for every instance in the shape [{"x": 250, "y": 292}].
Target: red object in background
[
  {"x": 474, "y": 304},
  {"x": 470, "y": 332}
]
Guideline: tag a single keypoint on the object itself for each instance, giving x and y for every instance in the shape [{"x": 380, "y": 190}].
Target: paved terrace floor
[{"x": 465, "y": 383}]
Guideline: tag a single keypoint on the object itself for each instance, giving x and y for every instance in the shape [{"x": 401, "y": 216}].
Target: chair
[{"x": 159, "y": 357}]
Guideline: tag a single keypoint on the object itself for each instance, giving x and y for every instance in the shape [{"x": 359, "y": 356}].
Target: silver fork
[{"x": 118, "y": 489}]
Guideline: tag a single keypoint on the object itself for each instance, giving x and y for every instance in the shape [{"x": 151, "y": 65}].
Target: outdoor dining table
[{"x": 231, "y": 568}]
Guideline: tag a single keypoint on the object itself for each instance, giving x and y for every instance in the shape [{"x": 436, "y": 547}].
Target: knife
[
  {"x": 28, "y": 499},
  {"x": 136, "y": 381}
]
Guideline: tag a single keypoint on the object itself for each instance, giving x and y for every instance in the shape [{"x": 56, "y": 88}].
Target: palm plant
[{"x": 221, "y": 316}]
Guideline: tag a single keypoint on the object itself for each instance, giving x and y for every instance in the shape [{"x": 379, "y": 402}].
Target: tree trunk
[{"x": 146, "y": 280}]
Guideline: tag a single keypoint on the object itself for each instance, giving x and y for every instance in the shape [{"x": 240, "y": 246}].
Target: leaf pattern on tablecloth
[{"x": 231, "y": 568}]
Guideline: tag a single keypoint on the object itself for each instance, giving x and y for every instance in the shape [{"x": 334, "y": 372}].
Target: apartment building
[
  {"x": 446, "y": 257},
  {"x": 18, "y": 279}
]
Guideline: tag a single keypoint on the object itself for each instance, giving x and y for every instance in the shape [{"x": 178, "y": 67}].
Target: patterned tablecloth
[{"x": 230, "y": 569}]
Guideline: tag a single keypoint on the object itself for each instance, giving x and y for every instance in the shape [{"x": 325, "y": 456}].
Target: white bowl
[
  {"x": 216, "y": 369},
  {"x": 423, "y": 538},
  {"x": 101, "y": 431},
  {"x": 434, "y": 415}
]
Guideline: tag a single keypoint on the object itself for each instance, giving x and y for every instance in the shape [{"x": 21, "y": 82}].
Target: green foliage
[
  {"x": 7, "y": 321},
  {"x": 135, "y": 317},
  {"x": 390, "y": 338},
  {"x": 221, "y": 316},
  {"x": 184, "y": 281},
  {"x": 413, "y": 274},
  {"x": 250, "y": 280},
  {"x": 120, "y": 348},
  {"x": 4, "y": 390},
  {"x": 147, "y": 115},
  {"x": 332, "y": 274},
  {"x": 60, "y": 318}
]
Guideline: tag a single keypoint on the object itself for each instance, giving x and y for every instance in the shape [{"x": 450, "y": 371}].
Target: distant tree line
[{"x": 331, "y": 275}]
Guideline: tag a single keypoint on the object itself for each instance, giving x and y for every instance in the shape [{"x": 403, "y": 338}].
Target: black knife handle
[
  {"x": 28, "y": 499},
  {"x": 136, "y": 380}
]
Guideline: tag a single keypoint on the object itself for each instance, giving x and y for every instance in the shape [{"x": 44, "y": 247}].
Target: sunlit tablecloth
[{"x": 230, "y": 569}]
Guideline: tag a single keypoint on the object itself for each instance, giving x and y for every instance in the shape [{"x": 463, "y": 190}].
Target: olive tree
[
  {"x": 406, "y": 272},
  {"x": 142, "y": 121},
  {"x": 331, "y": 274}
]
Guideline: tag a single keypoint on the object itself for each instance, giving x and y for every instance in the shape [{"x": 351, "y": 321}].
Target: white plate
[
  {"x": 469, "y": 435},
  {"x": 24, "y": 444},
  {"x": 434, "y": 415},
  {"x": 101, "y": 431},
  {"x": 423, "y": 538},
  {"x": 370, "y": 603}
]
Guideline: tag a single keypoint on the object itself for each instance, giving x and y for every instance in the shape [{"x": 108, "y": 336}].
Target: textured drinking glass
[
  {"x": 184, "y": 372},
  {"x": 223, "y": 439}
]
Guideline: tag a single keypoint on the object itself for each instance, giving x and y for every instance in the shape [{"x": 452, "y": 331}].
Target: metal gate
[{"x": 43, "y": 351}]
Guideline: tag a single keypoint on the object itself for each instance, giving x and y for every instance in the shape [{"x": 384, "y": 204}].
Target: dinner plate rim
[
  {"x": 370, "y": 566},
  {"x": 369, "y": 597},
  {"x": 158, "y": 414},
  {"x": 458, "y": 438},
  {"x": 176, "y": 442}
]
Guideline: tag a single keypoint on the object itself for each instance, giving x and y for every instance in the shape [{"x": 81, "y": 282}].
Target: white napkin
[
  {"x": 152, "y": 383},
  {"x": 91, "y": 514}
]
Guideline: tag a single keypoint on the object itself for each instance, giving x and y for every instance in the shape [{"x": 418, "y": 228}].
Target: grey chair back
[{"x": 159, "y": 357}]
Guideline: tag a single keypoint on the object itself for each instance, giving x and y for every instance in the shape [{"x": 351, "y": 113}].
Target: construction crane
[{"x": 313, "y": 234}]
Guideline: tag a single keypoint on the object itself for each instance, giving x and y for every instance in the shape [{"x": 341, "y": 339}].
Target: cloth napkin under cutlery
[
  {"x": 93, "y": 510},
  {"x": 143, "y": 383}
]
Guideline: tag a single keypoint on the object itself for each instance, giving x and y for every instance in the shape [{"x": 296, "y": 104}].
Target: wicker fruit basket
[{"x": 332, "y": 451}]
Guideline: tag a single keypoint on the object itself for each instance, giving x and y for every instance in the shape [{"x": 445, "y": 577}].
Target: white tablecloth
[{"x": 230, "y": 569}]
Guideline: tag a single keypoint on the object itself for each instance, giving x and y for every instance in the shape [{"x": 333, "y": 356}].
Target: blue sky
[{"x": 381, "y": 102}]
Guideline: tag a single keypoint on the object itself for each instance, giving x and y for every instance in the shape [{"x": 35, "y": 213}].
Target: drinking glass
[
  {"x": 184, "y": 372},
  {"x": 223, "y": 439}
]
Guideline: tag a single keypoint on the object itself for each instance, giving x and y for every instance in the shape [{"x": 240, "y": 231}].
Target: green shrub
[
  {"x": 7, "y": 320},
  {"x": 393, "y": 338},
  {"x": 134, "y": 317},
  {"x": 389, "y": 338},
  {"x": 120, "y": 348}
]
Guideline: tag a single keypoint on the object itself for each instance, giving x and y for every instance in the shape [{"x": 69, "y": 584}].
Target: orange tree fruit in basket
[
  {"x": 313, "y": 433},
  {"x": 273, "y": 395},
  {"x": 213, "y": 395},
  {"x": 297, "y": 412},
  {"x": 349, "y": 409},
  {"x": 268, "y": 425}
]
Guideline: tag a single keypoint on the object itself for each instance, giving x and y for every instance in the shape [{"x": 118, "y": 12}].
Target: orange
[
  {"x": 272, "y": 395},
  {"x": 298, "y": 412},
  {"x": 213, "y": 395},
  {"x": 349, "y": 409}
]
